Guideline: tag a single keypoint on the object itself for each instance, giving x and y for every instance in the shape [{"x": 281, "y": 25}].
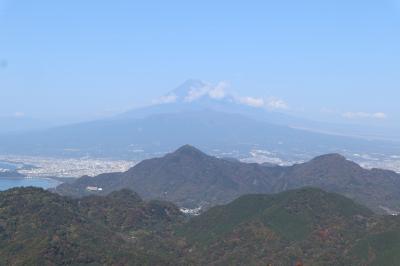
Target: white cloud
[
  {"x": 219, "y": 91},
  {"x": 380, "y": 115},
  {"x": 196, "y": 93},
  {"x": 214, "y": 92},
  {"x": 275, "y": 103},
  {"x": 251, "y": 101},
  {"x": 170, "y": 98},
  {"x": 364, "y": 115},
  {"x": 269, "y": 103}
]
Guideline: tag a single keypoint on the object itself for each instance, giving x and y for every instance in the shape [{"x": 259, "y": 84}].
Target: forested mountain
[
  {"x": 306, "y": 226},
  {"x": 190, "y": 178},
  {"x": 41, "y": 228}
]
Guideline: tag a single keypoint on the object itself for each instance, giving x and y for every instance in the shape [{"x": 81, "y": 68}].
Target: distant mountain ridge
[
  {"x": 190, "y": 178},
  {"x": 197, "y": 113},
  {"x": 196, "y": 95}
]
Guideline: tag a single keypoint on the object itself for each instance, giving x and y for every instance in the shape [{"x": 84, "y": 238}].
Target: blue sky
[{"x": 327, "y": 60}]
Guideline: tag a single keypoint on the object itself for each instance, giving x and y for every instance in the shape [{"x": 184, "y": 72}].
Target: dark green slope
[
  {"x": 381, "y": 243},
  {"x": 308, "y": 225},
  {"x": 41, "y": 228},
  {"x": 125, "y": 211}
]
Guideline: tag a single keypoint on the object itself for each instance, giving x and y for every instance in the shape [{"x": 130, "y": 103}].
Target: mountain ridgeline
[
  {"x": 190, "y": 179},
  {"x": 306, "y": 227}
]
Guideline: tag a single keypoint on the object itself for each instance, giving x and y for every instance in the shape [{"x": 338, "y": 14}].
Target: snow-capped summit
[{"x": 194, "y": 90}]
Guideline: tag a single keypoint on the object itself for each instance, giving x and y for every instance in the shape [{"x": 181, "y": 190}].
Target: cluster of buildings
[
  {"x": 61, "y": 167},
  {"x": 94, "y": 189}
]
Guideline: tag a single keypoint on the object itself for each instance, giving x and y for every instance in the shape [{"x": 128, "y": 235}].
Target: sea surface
[
  {"x": 8, "y": 166},
  {"x": 7, "y": 183}
]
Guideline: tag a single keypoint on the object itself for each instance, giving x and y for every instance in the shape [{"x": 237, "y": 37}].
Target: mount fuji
[{"x": 207, "y": 116}]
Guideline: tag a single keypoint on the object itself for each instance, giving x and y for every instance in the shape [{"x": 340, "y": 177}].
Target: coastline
[{"x": 28, "y": 181}]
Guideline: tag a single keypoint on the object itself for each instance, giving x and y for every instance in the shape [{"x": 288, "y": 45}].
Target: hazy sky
[{"x": 324, "y": 59}]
